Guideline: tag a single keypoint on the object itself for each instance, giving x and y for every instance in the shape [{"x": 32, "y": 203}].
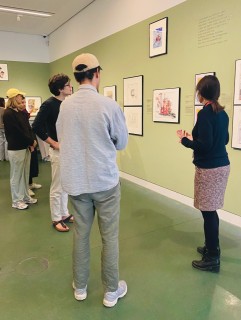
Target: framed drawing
[
  {"x": 134, "y": 120},
  {"x": 196, "y": 110},
  {"x": 236, "y": 136},
  {"x": 32, "y": 105},
  {"x": 198, "y": 77},
  {"x": 166, "y": 105},
  {"x": 237, "y": 82},
  {"x": 110, "y": 91},
  {"x": 133, "y": 91},
  {"x": 3, "y": 72},
  {"x": 158, "y": 37}
]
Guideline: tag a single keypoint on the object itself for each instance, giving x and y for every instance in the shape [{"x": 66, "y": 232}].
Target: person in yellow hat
[{"x": 20, "y": 143}]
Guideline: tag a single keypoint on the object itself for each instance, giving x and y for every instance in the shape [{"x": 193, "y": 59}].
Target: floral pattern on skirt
[{"x": 209, "y": 188}]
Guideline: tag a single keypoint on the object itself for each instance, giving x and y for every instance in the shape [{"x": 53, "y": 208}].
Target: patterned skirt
[{"x": 209, "y": 188}]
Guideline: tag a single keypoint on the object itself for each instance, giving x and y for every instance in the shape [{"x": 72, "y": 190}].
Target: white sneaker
[
  {"x": 35, "y": 186},
  {"x": 111, "y": 298},
  {"x": 31, "y": 193},
  {"x": 30, "y": 200},
  {"x": 79, "y": 294},
  {"x": 20, "y": 205}
]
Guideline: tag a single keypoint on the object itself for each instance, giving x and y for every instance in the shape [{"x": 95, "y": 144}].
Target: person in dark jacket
[
  {"x": 208, "y": 142},
  {"x": 44, "y": 126},
  {"x": 20, "y": 143}
]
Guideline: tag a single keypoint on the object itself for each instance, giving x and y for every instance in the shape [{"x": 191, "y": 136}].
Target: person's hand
[
  {"x": 55, "y": 145},
  {"x": 31, "y": 148},
  {"x": 182, "y": 133}
]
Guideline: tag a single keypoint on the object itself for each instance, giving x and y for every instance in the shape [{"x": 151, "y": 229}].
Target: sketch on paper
[
  {"x": 196, "y": 110},
  {"x": 236, "y": 136},
  {"x": 134, "y": 120},
  {"x": 110, "y": 91},
  {"x": 166, "y": 104},
  {"x": 3, "y": 72},
  {"x": 32, "y": 105},
  {"x": 237, "y": 88},
  {"x": 133, "y": 91},
  {"x": 158, "y": 37}
]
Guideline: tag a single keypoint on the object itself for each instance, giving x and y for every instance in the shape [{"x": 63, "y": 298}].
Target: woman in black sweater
[
  {"x": 20, "y": 143},
  {"x": 208, "y": 141}
]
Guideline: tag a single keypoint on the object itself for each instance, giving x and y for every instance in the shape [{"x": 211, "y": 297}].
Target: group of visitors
[{"x": 84, "y": 132}]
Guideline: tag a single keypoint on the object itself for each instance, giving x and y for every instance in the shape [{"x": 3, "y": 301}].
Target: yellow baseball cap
[{"x": 13, "y": 92}]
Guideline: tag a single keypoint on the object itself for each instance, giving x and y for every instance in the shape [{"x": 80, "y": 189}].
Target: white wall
[
  {"x": 23, "y": 47},
  {"x": 101, "y": 19}
]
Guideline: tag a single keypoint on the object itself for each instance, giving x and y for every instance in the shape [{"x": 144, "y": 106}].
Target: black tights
[{"x": 211, "y": 230}]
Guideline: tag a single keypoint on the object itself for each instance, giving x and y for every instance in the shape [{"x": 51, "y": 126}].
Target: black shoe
[
  {"x": 203, "y": 250},
  {"x": 207, "y": 263}
]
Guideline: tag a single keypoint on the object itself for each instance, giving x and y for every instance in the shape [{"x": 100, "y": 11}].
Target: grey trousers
[
  {"x": 19, "y": 173},
  {"x": 107, "y": 206}
]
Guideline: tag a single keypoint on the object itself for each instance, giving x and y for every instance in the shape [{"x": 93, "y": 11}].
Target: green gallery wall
[
  {"x": 29, "y": 77},
  {"x": 203, "y": 36}
]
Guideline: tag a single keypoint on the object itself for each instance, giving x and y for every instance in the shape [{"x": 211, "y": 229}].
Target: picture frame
[
  {"x": 133, "y": 91},
  {"x": 3, "y": 72},
  {"x": 33, "y": 105},
  {"x": 198, "y": 77},
  {"x": 110, "y": 91},
  {"x": 197, "y": 108},
  {"x": 236, "y": 134},
  {"x": 134, "y": 120},
  {"x": 237, "y": 82},
  {"x": 158, "y": 32},
  {"x": 166, "y": 105}
]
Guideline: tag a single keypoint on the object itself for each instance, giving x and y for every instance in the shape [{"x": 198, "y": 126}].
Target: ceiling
[{"x": 63, "y": 11}]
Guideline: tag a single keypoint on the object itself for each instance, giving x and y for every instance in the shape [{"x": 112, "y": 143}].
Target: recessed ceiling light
[{"x": 25, "y": 11}]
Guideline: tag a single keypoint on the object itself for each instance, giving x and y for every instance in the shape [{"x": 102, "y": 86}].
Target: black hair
[
  {"x": 57, "y": 83},
  {"x": 81, "y": 76},
  {"x": 209, "y": 88},
  {"x": 2, "y": 102}
]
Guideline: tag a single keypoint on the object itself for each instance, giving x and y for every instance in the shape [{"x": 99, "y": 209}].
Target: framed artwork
[
  {"x": 198, "y": 77},
  {"x": 196, "y": 110},
  {"x": 158, "y": 37},
  {"x": 237, "y": 82},
  {"x": 166, "y": 105},
  {"x": 3, "y": 72},
  {"x": 236, "y": 136},
  {"x": 134, "y": 120},
  {"x": 110, "y": 91},
  {"x": 32, "y": 105},
  {"x": 133, "y": 91}
]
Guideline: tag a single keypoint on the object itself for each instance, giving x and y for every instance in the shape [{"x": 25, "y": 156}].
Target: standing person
[
  {"x": 3, "y": 141},
  {"x": 34, "y": 167},
  {"x": 44, "y": 127},
  {"x": 208, "y": 140},
  {"x": 20, "y": 143},
  {"x": 91, "y": 128}
]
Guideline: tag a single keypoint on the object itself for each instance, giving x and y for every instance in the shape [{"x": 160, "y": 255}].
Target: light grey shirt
[{"x": 90, "y": 128}]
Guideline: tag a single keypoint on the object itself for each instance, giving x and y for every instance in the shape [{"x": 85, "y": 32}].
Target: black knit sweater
[{"x": 210, "y": 136}]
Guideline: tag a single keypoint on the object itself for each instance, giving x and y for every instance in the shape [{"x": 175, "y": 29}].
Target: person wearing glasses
[{"x": 44, "y": 126}]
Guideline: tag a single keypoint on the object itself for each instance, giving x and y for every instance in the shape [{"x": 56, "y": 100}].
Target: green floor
[{"x": 158, "y": 238}]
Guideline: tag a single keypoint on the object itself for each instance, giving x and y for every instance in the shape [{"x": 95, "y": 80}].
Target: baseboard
[{"x": 224, "y": 215}]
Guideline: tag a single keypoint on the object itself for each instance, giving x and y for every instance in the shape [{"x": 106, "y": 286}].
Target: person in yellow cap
[{"x": 20, "y": 143}]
